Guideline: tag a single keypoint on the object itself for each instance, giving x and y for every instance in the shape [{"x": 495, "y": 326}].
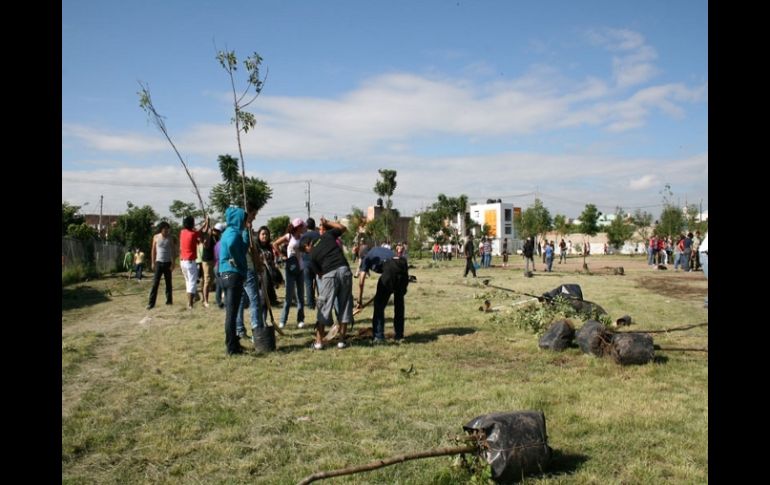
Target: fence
[{"x": 106, "y": 255}]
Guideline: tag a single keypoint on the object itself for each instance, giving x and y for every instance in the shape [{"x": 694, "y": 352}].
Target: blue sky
[{"x": 598, "y": 102}]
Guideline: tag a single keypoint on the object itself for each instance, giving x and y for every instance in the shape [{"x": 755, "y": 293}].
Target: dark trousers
[
  {"x": 380, "y": 302},
  {"x": 469, "y": 267},
  {"x": 233, "y": 286},
  {"x": 165, "y": 270},
  {"x": 218, "y": 291}
]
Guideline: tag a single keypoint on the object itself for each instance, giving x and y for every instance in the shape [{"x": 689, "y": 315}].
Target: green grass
[{"x": 157, "y": 401}]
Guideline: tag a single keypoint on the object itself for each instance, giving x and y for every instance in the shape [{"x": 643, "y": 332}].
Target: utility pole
[
  {"x": 101, "y": 206},
  {"x": 307, "y": 202},
  {"x": 700, "y": 211}
]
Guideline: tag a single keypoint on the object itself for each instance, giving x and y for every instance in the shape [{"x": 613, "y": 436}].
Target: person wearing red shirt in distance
[{"x": 188, "y": 252}]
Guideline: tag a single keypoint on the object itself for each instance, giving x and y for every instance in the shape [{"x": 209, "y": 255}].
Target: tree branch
[
  {"x": 387, "y": 462},
  {"x": 145, "y": 102}
]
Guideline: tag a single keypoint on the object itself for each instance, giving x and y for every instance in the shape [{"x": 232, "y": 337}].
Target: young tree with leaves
[
  {"x": 619, "y": 231},
  {"x": 589, "y": 226},
  {"x": 278, "y": 225},
  {"x": 561, "y": 226},
  {"x": 642, "y": 220},
  {"x": 69, "y": 215},
  {"x": 136, "y": 227},
  {"x": 180, "y": 209},
  {"x": 385, "y": 188},
  {"x": 230, "y": 191},
  {"x": 536, "y": 220}
]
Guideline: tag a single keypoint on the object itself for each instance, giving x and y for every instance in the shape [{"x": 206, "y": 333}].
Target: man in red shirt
[{"x": 188, "y": 252}]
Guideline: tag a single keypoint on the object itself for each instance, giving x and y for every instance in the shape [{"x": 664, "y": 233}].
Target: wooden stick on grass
[{"x": 387, "y": 462}]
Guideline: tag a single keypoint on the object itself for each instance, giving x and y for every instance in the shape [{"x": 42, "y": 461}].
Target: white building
[{"x": 499, "y": 217}]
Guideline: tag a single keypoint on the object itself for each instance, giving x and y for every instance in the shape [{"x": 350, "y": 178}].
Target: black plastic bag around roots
[
  {"x": 632, "y": 348},
  {"x": 264, "y": 339},
  {"x": 516, "y": 443},
  {"x": 594, "y": 338},
  {"x": 587, "y": 308},
  {"x": 558, "y": 337},
  {"x": 570, "y": 291}
]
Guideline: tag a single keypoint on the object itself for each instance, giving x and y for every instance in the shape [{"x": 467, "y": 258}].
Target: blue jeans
[
  {"x": 704, "y": 263},
  {"x": 138, "y": 269},
  {"x": 233, "y": 286},
  {"x": 250, "y": 297},
  {"x": 218, "y": 290},
  {"x": 293, "y": 283},
  {"x": 549, "y": 263},
  {"x": 309, "y": 277}
]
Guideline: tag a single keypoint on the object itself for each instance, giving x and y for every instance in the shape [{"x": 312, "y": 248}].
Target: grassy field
[{"x": 150, "y": 397}]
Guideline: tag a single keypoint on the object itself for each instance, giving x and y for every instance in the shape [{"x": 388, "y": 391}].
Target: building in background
[{"x": 499, "y": 216}]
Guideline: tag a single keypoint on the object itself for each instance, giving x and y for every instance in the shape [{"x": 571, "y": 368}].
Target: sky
[{"x": 601, "y": 102}]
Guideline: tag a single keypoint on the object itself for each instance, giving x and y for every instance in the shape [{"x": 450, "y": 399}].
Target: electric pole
[
  {"x": 101, "y": 206},
  {"x": 307, "y": 202}
]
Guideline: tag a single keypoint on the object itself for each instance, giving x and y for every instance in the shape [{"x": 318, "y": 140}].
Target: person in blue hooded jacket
[{"x": 232, "y": 272}]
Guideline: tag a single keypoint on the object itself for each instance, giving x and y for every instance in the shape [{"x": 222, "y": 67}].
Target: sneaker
[
  {"x": 378, "y": 341},
  {"x": 149, "y": 307},
  {"x": 317, "y": 346},
  {"x": 301, "y": 325},
  {"x": 341, "y": 345},
  {"x": 205, "y": 304},
  {"x": 282, "y": 325}
]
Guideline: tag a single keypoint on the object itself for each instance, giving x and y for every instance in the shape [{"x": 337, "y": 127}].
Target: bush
[{"x": 78, "y": 273}]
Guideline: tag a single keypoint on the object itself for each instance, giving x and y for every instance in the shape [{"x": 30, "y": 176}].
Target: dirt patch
[{"x": 683, "y": 287}]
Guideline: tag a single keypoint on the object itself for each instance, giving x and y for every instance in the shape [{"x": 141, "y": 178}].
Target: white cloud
[
  {"x": 633, "y": 62},
  {"x": 566, "y": 182},
  {"x": 387, "y": 121},
  {"x": 644, "y": 182},
  {"x": 100, "y": 139}
]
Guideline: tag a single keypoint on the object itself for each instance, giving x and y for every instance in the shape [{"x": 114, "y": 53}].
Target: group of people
[
  {"x": 133, "y": 261},
  {"x": 246, "y": 275},
  {"x": 684, "y": 253}
]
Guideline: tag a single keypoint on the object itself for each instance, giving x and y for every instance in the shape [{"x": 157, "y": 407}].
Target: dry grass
[{"x": 150, "y": 397}]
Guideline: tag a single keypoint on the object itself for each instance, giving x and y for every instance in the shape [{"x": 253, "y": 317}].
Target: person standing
[
  {"x": 250, "y": 295},
  {"x": 294, "y": 279},
  {"x": 232, "y": 273},
  {"x": 703, "y": 249},
  {"x": 272, "y": 275},
  {"x": 469, "y": 251},
  {"x": 335, "y": 280},
  {"x": 188, "y": 255},
  {"x": 307, "y": 271},
  {"x": 162, "y": 257},
  {"x": 562, "y": 251},
  {"x": 505, "y": 252},
  {"x": 128, "y": 262},
  {"x": 487, "y": 252},
  {"x": 549, "y": 248},
  {"x": 210, "y": 239},
  {"x": 138, "y": 263},
  {"x": 528, "y": 251}
]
